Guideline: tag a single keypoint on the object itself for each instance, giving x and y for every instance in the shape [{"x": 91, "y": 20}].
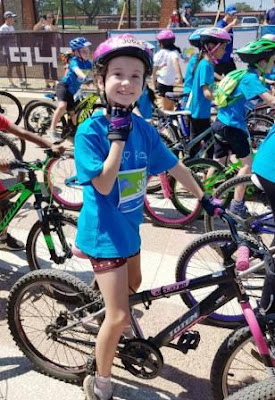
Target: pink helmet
[
  {"x": 215, "y": 35},
  {"x": 123, "y": 45},
  {"x": 166, "y": 34}
]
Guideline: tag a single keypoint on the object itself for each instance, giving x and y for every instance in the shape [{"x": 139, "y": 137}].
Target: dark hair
[{"x": 170, "y": 45}]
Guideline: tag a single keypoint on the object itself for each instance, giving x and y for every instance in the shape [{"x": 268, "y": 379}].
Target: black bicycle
[{"x": 46, "y": 309}]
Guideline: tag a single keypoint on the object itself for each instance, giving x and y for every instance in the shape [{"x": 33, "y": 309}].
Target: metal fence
[{"x": 34, "y": 56}]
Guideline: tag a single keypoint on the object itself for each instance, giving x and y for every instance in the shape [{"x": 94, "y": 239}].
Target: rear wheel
[
  {"x": 47, "y": 327},
  {"x": 61, "y": 179},
  {"x": 38, "y": 118},
  {"x": 10, "y": 107},
  {"x": 264, "y": 390}
]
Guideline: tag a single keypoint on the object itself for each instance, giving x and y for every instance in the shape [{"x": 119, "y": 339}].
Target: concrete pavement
[{"x": 182, "y": 377}]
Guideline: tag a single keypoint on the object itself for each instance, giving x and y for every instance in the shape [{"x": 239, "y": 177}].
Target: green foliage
[
  {"x": 197, "y": 5},
  {"x": 243, "y": 7}
]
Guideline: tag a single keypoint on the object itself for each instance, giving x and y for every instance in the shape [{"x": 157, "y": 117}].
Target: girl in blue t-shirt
[
  {"x": 76, "y": 73},
  {"x": 230, "y": 126},
  {"x": 213, "y": 42},
  {"x": 115, "y": 151}
]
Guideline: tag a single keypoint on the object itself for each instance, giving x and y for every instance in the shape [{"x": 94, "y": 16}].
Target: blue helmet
[
  {"x": 195, "y": 38},
  {"x": 78, "y": 43},
  {"x": 187, "y": 5}
]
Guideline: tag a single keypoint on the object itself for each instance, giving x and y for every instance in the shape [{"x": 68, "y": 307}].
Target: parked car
[
  {"x": 250, "y": 21},
  {"x": 195, "y": 21},
  {"x": 205, "y": 21}
]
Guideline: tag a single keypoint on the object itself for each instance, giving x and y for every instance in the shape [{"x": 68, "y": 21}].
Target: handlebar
[
  {"x": 243, "y": 252},
  {"x": 35, "y": 165}
]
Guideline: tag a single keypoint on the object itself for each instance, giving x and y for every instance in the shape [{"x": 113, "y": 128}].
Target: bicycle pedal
[
  {"x": 188, "y": 341},
  {"x": 91, "y": 366}
]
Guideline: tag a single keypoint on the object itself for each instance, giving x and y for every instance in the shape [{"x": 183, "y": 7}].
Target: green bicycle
[{"x": 50, "y": 240}]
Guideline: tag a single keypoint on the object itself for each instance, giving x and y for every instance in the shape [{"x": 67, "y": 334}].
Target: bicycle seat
[
  {"x": 51, "y": 96},
  {"x": 174, "y": 96},
  {"x": 256, "y": 182},
  {"x": 78, "y": 253}
]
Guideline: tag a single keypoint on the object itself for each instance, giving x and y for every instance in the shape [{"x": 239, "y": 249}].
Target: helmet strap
[
  {"x": 262, "y": 70},
  {"x": 210, "y": 52}
]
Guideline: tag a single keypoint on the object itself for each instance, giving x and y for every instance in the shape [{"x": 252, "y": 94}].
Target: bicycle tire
[
  {"x": 225, "y": 192},
  {"x": 259, "y": 124},
  {"x": 11, "y": 107},
  {"x": 199, "y": 168},
  {"x": 164, "y": 212},
  {"x": 34, "y": 313},
  {"x": 61, "y": 180},
  {"x": 28, "y": 105},
  {"x": 62, "y": 228},
  {"x": 264, "y": 390},
  {"x": 202, "y": 257},
  {"x": 19, "y": 143},
  {"x": 38, "y": 118},
  {"x": 154, "y": 185},
  {"x": 237, "y": 355},
  {"x": 9, "y": 151}
]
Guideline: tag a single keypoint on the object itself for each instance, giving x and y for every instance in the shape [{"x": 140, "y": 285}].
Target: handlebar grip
[{"x": 242, "y": 262}]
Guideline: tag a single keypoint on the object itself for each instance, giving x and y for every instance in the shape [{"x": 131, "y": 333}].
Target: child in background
[
  {"x": 115, "y": 152},
  {"x": 213, "y": 42},
  {"x": 230, "y": 126},
  {"x": 78, "y": 69},
  {"x": 194, "y": 40},
  {"x": 167, "y": 70}
]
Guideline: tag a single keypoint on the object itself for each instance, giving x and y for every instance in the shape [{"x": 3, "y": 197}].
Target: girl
[
  {"x": 230, "y": 126},
  {"x": 213, "y": 42},
  {"x": 167, "y": 71},
  {"x": 115, "y": 151}
]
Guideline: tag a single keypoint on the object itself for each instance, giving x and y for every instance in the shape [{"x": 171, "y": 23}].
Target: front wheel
[
  {"x": 237, "y": 364},
  {"x": 38, "y": 117},
  {"x": 204, "y": 256},
  {"x": 62, "y": 232},
  {"x": 47, "y": 328},
  {"x": 264, "y": 390}
]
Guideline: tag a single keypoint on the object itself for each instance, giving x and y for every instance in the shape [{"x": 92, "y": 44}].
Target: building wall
[{"x": 167, "y": 7}]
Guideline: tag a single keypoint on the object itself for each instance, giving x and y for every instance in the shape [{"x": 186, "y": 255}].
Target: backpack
[{"x": 223, "y": 93}]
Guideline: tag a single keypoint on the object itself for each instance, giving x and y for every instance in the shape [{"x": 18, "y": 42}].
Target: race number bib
[{"x": 132, "y": 187}]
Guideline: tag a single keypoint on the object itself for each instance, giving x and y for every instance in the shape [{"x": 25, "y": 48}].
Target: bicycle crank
[{"x": 141, "y": 358}]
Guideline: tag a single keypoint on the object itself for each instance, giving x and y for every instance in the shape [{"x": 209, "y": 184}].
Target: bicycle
[
  {"x": 52, "y": 236},
  {"x": 47, "y": 325},
  {"x": 38, "y": 114},
  {"x": 9, "y": 151},
  {"x": 264, "y": 390}
]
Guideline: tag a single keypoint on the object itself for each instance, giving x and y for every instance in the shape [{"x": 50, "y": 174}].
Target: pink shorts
[{"x": 105, "y": 264}]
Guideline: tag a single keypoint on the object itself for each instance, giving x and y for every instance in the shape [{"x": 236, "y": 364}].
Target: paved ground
[{"x": 182, "y": 377}]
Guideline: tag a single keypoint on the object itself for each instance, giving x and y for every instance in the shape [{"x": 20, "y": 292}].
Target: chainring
[{"x": 142, "y": 358}]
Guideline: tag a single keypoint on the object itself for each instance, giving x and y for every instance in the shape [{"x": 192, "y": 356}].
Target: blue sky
[{"x": 266, "y": 4}]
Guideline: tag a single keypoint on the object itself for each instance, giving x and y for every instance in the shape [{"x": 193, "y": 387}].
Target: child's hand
[
  {"x": 120, "y": 124},
  {"x": 58, "y": 148},
  {"x": 4, "y": 165}
]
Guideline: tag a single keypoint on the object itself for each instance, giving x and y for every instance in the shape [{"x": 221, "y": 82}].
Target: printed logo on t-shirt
[{"x": 132, "y": 187}]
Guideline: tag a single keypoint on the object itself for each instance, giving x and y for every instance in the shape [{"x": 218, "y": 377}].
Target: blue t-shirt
[
  {"x": 229, "y": 47},
  {"x": 188, "y": 79},
  {"x": 270, "y": 16},
  {"x": 145, "y": 105},
  {"x": 199, "y": 106},
  {"x": 108, "y": 226},
  {"x": 72, "y": 81},
  {"x": 249, "y": 87},
  {"x": 264, "y": 162}
]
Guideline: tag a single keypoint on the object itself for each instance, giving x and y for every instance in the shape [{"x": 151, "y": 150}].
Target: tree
[
  {"x": 243, "y": 7},
  {"x": 91, "y": 8},
  {"x": 197, "y": 5}
]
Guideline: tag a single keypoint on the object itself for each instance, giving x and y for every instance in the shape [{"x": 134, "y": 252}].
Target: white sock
[{"x": 103, "y": 387}]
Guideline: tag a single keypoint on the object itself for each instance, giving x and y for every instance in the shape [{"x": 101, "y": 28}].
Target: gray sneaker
[
  {"x": 55, "y": 137},
  {"x": 239, "y": 209},
  {"x": 88, "y": 387},
  {"x": 11, "y": 244}
]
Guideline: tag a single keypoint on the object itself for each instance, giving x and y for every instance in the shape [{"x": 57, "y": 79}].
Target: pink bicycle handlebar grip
[{"x": 242, "y": 262}]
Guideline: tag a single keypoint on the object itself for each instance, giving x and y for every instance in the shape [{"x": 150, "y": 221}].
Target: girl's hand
[
  {"x": 120, "y": 124},
  {"x": 58, "y": 148},
  {"x": 4, "y": 165}
]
